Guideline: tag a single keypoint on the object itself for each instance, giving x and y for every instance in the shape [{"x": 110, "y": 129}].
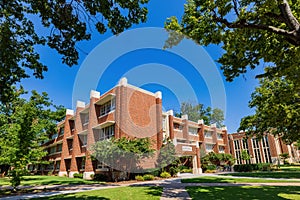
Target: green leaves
[
  {"x": 24, "y": 125},
  {"x": 68, "y": 22}
]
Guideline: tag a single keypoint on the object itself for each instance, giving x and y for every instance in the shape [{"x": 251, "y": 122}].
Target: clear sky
[{"x": 171, "y": 71}]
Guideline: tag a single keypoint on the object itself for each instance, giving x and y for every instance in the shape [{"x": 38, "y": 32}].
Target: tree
[
  {"x": 277, "y": 110},
  {"x": 123, "y": 154},
  {"x": 252, "y": 33},
  {"x": 24, "y": 125},
  {"x": 66, "y": 21},
  {"x": 245, "y": 155},
  {"x": 198, "y": 111},
  {"x": 284, "y": 157},
  {"x": 217, "y": 117},
  {"x": 167, "y": 156}
]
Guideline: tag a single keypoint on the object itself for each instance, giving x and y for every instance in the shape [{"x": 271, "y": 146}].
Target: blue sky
[{"x": 139, "y": 65}]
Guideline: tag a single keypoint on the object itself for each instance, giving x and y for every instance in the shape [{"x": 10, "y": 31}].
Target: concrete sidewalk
[{"x": 173, "y": 189}]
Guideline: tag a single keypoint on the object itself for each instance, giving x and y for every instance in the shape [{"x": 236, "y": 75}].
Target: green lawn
[
  {"x": 124, "y": 193},
  {"x": 224, "y": 179},
  {"x": 245, "y": 192},
  {"x": 273, "y": 174},
  {"x": 47, "y": 180}
]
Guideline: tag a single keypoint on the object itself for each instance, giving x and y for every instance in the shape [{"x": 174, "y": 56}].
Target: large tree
[
  {"x": 24, "y": 125},
  {"x": 64, "y": 22},
  {"x": 277, "y": 104},
  {"x": 252, "y": 33}
]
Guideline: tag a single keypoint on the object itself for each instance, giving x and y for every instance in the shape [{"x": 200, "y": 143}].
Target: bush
[
  {"x": 186, "y": 171},
  {"x": 210, "y": 171},
  {"x": 264, "y": 167},
  {"x": 139, "y": 178},
  {"x": 211, "y": 167},
  {"x": 154, "y": 171},
  {"x": 76, "y": 175},
  {"x": 173, "y": 171},
  {"x": 148, "y": 177},
  {"x": 165, "y": 175},
  {"x": 100, "y": 177}
]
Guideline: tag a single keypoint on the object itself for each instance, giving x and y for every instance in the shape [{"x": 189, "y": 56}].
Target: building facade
[
  {"x": 131, "y": 112},
  {"x": 264, "y": 150}
]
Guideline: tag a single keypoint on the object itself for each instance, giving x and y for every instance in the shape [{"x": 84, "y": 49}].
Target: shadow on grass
[
  {"x": 75, "y": 197},
  {"x": 152, "y": 190},
  {"x": 275, "y": 174},
  {"x": 244, "y": 192},
  {"x": 208, "y": 180}
]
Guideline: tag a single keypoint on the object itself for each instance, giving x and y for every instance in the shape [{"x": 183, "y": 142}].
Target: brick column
[
  {"x": 65, "y": 150},
  {"x": 76, "y": 142},
  {"x": 159, "y": 130},
  {"x": 93, "y": 121}
]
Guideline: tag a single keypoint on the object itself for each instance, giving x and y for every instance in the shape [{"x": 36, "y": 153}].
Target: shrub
[
  {"x": 187, "y": 171},
  {"x": 210, "y": 171},
  {"x": 100, "y": 177},
  {"x": 154, "y": 171},
  {"x": 211, "y": 167},
  {"x": 173, "y": 171},
  {"x": 165, "y": 175},
  {"x": 76, "y": 175},
  {"x": 148, "y": 177},
  {"x": 139, "y": 178}
]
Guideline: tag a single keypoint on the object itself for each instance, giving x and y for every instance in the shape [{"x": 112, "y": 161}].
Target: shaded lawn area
[
  {"x": 224, "y": 179},
  {"x": 47, "y": 180},
  {"x": 124, "y": 193},
  {"x": 244, "y": 192},
  {"x": 273, "y": 174}
]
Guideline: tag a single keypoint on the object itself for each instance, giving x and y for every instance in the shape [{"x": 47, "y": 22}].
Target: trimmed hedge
[
  {"x": 76, "y": 175},
  {"x": 252, "y": 167}
]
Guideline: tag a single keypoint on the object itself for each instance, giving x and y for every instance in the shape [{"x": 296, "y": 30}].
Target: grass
[
  {"x": 274, "y": 174},
  {"x": 47, "y": 180},
  {"x": 224, "y": 179},
  {"x": 244, "y": 192},
  {"x": 123, "y": 193}
]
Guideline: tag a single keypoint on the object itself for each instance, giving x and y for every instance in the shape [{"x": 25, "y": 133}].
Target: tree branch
[{"x": 290, "y": 19}]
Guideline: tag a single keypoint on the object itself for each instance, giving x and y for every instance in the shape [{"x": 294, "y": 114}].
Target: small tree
[
  {"x": 167, "y": 156},
  {"x": 122, "y": 154},
  {"x": 245, "y": 156}
]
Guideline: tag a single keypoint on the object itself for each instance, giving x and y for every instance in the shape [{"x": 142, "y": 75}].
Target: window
[
  {"x": 52, "y": 150},
  {"x": 193, "y": 131},
  {"x": 54, "y": 136},
  {"x": 82, "y": 166},
  {"x": 57, "y": 165},
  {"x": 209, "y": 147},
  {"x": 221, "y": 149},
  {"x": 85, "y": 118},
  {"x": 59, "y": 148},
  {"x": 208, "y": 134},
  {"x": 178, "y": 127},
  {"x": 256, "y": 150},
  {"x": 101, "y": 165},
  {"x": 70, "y": 144},
  {"x": 266, "y": 149},
  {"x": 62, "y": 131},
  {"x": 245, "y": 147},
  {"x": 219, "y": 136},
  {"x": 107, "y": 132},
  {"x": 50, "y": 166},
  {"x": 83, "y": 140},
  {"x": 237, "y": 151},
  {"x": 108, "y": 107}
]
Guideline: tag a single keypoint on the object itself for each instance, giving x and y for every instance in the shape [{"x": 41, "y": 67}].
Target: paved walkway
[{"x": 173, "y": 189}]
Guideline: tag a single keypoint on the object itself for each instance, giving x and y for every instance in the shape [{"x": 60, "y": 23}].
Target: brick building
[
  {"x": 125, "y": 111},
  {"x": 129, "y": 111},
  {"x": 265, "y": 150}
]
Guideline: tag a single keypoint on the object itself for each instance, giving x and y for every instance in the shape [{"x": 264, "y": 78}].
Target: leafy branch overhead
[
  {"x": 64, "y": 22},
  {"x": 250, "y": 32}
]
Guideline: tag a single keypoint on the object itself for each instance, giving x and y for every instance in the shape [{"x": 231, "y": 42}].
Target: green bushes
[
  {"x": 148, "y": 177},
  {"x": 165, "y": 175},
  {"x": 76, "y": 175},
  {"x": 252, "y": 167},
  {"x": 139, "y": 178}
]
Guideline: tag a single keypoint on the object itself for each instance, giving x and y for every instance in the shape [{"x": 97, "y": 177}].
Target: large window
[
  {"x": 209, "y": 147},
  {"x": 221, "y": 149},
  {"x": 107, "y": 107},
  {"x": 256, "y": 150},
  {"x": 52, "y": 150},
  {"x": 178, "y": 127},
  {"x": 164, "y": 123},
  {"x": 219, "y": 136},
  {"x": 245, "y": 147},
  {"x": 237, "y": 152},
  {"x": 83, "y": 139},
  {"x": 193, "y": 131},
  {"x": 62, "y": 131},
  {"x": 57, "y": 165},
  {"x": 208, "y": 134},
  {"x": 266, "y": 149},
  {"x": 107, "y": 132}
]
